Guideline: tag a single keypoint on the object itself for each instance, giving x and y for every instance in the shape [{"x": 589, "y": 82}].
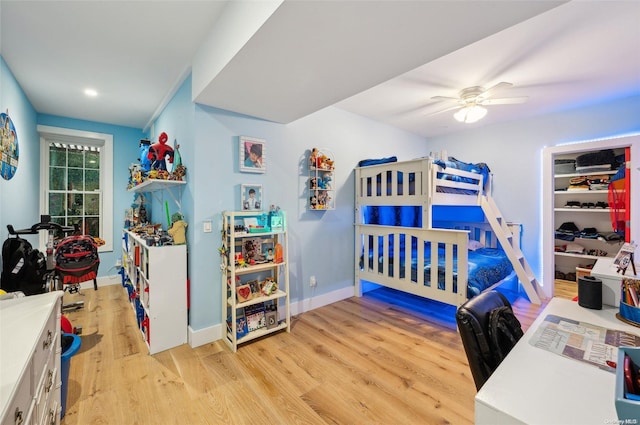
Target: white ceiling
[{"x": 381, "y": 59}]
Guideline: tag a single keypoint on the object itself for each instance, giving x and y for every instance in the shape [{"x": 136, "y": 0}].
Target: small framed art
[
  {"x": 251, "y": 197},
  {"x": 252, "y": 155},
  {"x": 244, "y": 293}
]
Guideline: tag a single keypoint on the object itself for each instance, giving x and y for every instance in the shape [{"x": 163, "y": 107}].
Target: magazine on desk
[{"x": 582, "y": 341}]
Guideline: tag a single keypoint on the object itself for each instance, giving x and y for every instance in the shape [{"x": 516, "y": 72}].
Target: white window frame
[{"x": 105, "y": 141}]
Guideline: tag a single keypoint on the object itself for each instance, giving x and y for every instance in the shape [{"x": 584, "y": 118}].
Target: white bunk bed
[{"x": 422, "y": 184}]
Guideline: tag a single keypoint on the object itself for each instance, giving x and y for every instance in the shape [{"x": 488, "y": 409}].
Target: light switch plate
[{"x": 207, "y": 227}]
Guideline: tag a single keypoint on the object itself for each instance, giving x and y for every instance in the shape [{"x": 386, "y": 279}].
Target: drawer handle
[
  {"x": 50, "y": 384},
  {"x": 47, "y": 342},
  {"x": 52, "y": 416},
  {"x": 18, "y": 416}
]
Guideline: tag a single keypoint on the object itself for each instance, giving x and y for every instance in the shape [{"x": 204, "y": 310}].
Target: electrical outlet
[
  {"x": 312, "y": 281},
  {"x": 207, "y": 227},
  {"x": 118, "y": 263}
]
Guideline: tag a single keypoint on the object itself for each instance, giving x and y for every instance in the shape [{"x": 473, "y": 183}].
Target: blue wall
[
  {"x": 320, "y": 242},
  {"x": 19, "y": 197}
]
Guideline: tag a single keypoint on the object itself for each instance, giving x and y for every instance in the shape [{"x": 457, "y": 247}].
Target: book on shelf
[{"x": 255, "y": 315}]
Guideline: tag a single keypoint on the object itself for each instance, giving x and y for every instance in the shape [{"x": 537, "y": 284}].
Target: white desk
[
  {"x": 606, "y": 271},
  {"x": 535, "y": 386}
]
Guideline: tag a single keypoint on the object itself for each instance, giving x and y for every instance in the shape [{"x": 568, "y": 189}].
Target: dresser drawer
[
  {"x": 20, "y": 408},
  {"x": 47, "y": 344},
  {"x": 30, "y": 352},
  {"x": 46, "y": 388},
  {"x": 52, "y": 414}
]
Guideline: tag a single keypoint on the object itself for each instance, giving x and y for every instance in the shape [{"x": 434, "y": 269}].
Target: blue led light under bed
[{"x": 486, "y": 266}]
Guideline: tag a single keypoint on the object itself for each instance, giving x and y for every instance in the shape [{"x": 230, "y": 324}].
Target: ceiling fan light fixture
[{"x": 470, "y": 114}]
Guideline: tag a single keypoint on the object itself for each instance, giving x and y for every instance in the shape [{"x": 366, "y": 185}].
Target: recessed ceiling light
[{"x": 90, "y": 92}]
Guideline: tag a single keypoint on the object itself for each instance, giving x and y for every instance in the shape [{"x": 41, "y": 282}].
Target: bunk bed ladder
[{"x": 520, "y": 264}]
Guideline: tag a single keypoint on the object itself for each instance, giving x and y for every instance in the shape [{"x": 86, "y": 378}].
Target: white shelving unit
[
  {"x": 582, "y": 217},
  {"x": 249, "y": 311},
  {"x": 156, "y": 283},
  {"x": 320, "y": 182}
]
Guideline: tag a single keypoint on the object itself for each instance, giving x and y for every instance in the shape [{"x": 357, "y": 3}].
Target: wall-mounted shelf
[
  {"x": 155, "y": 185},
  {"x": 320, "y": 182}
]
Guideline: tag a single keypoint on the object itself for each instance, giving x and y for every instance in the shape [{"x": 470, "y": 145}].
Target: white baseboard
[
  {"x": 103, "y": 281},
  {"x": 199, "y": 337},
  {"x": 213, "y": 333}
]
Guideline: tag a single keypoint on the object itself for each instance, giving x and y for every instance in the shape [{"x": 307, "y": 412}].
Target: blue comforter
[
  {"x": 479, "y": 168},
  {"x": 487, "y": 266}
]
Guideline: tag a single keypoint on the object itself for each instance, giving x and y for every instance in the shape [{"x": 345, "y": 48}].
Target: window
[{"x": 77, "y": 184}]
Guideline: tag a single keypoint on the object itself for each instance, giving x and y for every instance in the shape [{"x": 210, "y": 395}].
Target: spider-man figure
[{"x": 158, "y": 151}]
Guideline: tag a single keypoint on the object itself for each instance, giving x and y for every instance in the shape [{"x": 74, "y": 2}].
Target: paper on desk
[{"x": 582, "y": 341}]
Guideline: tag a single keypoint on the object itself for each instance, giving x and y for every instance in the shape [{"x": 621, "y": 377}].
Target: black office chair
[{"x": 489, "y": 330}]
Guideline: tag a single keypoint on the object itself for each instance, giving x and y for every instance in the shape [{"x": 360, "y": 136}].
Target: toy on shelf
[
  {"x": 159, "y": 151},
  {"x": 145, "y": 161},
  {"x": 179, "y": 170},
  {"x": 321, "y": 169},
  {"x": 178, "y": 229},
  {"x": 319, "y": 160}
]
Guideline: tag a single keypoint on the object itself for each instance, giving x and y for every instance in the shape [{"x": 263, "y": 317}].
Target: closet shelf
[
  {"x": 568, "y": 254},
  {"x": 595, "y": 173},
  {"x": 581, "y": 192},
  {"x": 592, "y": 210}
]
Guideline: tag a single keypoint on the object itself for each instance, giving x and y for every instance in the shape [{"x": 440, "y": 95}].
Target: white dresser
[{"x": 30, "y": 355}]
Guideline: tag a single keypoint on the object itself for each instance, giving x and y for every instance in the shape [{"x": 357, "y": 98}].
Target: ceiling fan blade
[
  {"x": 505, "y": 101},
  {"x": 451, "y": 108},
  {"x": 457, "y": 99},
  {"x": 501, "y": 85}
]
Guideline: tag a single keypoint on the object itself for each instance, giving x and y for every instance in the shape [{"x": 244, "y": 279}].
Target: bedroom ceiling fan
[{"x": 472, "y": 101}]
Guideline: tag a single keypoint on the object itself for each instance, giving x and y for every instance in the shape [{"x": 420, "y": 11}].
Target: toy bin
[
  {"x": 69, "y": 350},
  {"x": 627, "y": 405}
]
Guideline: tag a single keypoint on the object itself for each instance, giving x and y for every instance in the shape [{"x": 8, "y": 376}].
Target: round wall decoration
[{"x": 8, "y": 147}]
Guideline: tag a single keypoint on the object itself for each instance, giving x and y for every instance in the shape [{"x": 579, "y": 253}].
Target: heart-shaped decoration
[{"x": 244, "y": 293}]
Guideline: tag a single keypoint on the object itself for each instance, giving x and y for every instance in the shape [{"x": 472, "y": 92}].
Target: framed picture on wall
[
  {"x": 252, "y": 155},
  {"x": 251, "y": 197}
]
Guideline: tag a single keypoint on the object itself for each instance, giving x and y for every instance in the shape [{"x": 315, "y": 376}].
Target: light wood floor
[{"x": 369, "y": 360}]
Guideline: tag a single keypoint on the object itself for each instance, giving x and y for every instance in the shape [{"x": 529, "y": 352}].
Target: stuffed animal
[
  {"x": 159, "y": 151},
  {"x": 312, "y": 157},
  {"x": 328, "y": 163},
  {"x": 145, "y": 161},
  {"x": 178, "y": 232},
  {"x": 178, "y": 172}
]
